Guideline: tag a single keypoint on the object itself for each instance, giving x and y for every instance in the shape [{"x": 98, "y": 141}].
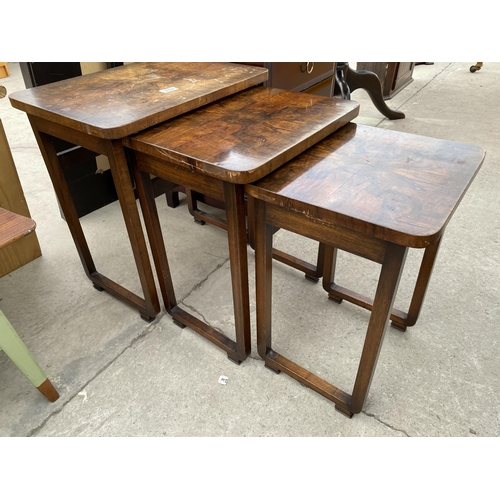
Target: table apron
[
  {"x": 179, "y": 175},
  {"x": 89, "y": 142},
  {"x": 345, "y": 239}
]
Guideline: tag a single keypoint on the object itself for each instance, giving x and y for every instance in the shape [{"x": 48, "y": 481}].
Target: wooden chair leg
[{"x": 16, "y": 350}]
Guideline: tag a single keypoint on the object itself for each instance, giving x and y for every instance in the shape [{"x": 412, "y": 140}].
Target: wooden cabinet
[{"x": 393, "y": 76}]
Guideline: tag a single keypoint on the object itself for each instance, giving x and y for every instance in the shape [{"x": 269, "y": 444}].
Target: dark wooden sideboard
[
  {"x": 394, "y": 76},
  {"x": 310, "y": 77}
]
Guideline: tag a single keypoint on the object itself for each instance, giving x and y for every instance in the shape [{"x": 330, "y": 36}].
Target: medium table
[
  {"x": 95, "y": 112},
  {"x": 215, "y": 151}
]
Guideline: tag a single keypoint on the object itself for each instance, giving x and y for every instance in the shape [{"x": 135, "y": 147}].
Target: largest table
[{"x": 95, "y": 112}]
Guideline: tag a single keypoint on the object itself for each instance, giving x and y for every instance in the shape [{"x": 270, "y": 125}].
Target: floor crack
[
  {"x": 148, "y": 328},
  {"x": 385, "y": 423},
  {"x": 203, "y": 281}
]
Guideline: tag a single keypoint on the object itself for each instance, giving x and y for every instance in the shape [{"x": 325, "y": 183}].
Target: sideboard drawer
[{"x": 298, "y": 76}]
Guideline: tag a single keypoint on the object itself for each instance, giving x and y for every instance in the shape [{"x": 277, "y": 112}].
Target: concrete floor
[{"x": 120, "y": 376}]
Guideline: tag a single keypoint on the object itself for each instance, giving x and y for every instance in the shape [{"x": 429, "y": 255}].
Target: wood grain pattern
[
  {"x": 390, "y": 185},
  {"x": 367, "y": 191},
  {"x": 120, "y": 101},
  {"x": 246, "y": 136},
  {"x": 215, "y": 150},
  {"x": 96, "y": 110},
  {"x": 12, "y": 198},
  {"x": 13, "y": 227}
]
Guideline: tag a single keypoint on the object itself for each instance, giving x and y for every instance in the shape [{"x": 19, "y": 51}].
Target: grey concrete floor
[{"x": 120, "y": 376}]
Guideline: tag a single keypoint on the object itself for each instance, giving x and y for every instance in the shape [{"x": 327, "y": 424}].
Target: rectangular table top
[
  {"x": 117, "y": 102},
  {"x": 395, "y": 186},
  {"x": 246, "y": 136}
]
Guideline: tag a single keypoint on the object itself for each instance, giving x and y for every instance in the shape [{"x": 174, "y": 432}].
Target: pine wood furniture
[
  {"x": 95, "y": 112},
  {"x": 215, "y": 151},
  {"x": 13, "y": 228},
  {"x": 4, "y": 70},
  {"x": 368, "y": 191},
  {"x": 12, "y": 198}
]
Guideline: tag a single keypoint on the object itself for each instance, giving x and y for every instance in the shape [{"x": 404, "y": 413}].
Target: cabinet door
[
  {"x": 393, "y": 76},
  {"x": 403, "y": 75}
]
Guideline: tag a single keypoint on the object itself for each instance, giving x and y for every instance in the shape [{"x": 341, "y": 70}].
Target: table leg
[
  {"x": 121, "y": 176},
  {"x": 273, "y": 360},
  {"x": 399, "y": 319},
  {"x": 148, "y": 205},
  {"x": 236, "y": 230},
  {"x": 402, "y": 320},
  {"x": 237, "y": 239},
  {"x": 390, "y": 275},
  {"x": 149, "y": 306},
  {"x": 263, "y": 281}
]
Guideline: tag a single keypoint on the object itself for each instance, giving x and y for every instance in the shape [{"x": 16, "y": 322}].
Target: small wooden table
[
  {"x": 95, "y": 111},
  {"x": 370, "y": 192},
  {"x": 215, "y": 151}
]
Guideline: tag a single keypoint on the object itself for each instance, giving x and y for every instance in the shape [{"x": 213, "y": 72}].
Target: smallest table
[{"x": 370, "y": 192}]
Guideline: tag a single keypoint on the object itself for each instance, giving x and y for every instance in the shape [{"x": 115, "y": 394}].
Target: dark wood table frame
[
  {"x": 373, "y": 193},
  {"x": 95, "y": 111},
  {"x": 216, "y": 151},
  {"x": 399, "y": 319}
]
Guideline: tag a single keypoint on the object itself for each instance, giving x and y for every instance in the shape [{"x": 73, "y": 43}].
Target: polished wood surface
[
  {"x": 390, "y": 185},
  {"x": 94, "y": 112},
  {"x": 14, "y": 227},
  {"x": 120, "y": 101},
  {"x": 246, "y": 136},
  {"x": 370, "y": 192},
  {"x": 215, "y": 150}
]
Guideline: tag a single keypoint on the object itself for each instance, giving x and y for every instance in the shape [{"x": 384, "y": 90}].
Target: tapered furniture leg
[
  {"x": 152, "y": 222},
  {"x": 390, "y": 275},
  {"x": 13, "y": 227},
  {"x": 263, "y": 279},
  {"x": 237, "y": 241},
  {"x": 126, "y": 196},
  {"x": 16, "y": 350}
]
